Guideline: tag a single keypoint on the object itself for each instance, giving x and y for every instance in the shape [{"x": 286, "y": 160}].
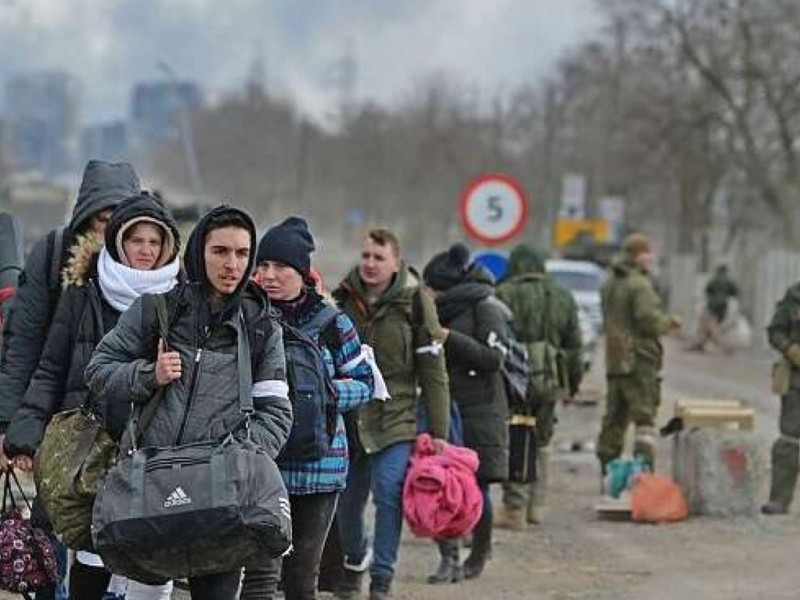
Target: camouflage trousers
[
  {"x": 630, "y": 398},
  {"x": 785, "y": 451}
]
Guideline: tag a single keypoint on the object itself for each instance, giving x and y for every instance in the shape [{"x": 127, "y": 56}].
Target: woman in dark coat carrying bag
[
  {"x": 475, "y": 323},
  {"x": 140, "y": 255}
]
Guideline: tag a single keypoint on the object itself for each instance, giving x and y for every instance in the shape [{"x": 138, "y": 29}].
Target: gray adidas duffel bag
[
  {"x": 196, "y": 509},
  {"x": 192, "y": 510}
]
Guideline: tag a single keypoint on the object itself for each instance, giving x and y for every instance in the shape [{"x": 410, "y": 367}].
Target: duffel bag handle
[{"x": 8, "y": 493}]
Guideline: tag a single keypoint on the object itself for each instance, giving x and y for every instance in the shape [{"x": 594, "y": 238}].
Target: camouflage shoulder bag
[{"x": 75, "y": 453}]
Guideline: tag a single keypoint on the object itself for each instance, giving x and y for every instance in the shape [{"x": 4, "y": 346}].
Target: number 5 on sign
[{"x": 493, "y": 209}]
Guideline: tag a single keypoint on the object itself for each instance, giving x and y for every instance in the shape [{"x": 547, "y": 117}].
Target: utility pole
[{"x": 187, "y": 137}]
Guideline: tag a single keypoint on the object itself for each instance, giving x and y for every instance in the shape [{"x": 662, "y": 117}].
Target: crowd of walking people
[
  {"x": 401, "y": 354},
  {"x": 232, "y": 337}
]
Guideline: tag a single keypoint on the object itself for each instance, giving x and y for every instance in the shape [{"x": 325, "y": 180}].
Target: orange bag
[{"x": 657, "y": 499}]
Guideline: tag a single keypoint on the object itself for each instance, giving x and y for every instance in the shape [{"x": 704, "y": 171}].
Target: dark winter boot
[
  {"x": 380, "y": 588},
  {"x": 350, "y": 581},
  {"x": 481, "y": 547},
  {"x": 449, "y": 570},
  {"x": 784, "y": 476}
]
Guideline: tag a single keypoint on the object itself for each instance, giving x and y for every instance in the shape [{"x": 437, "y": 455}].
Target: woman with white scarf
[{"x": 140, "y": 256}]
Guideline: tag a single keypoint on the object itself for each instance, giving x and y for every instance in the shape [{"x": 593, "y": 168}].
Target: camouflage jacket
[
  {"x": 634, "y": 320},
  {"x": 543, "y": 309},
  {"x": 784, "y": 328},
  {"x": 406, "y": 355}
]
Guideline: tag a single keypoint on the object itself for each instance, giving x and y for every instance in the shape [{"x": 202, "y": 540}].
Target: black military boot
[
  {"x": 784, "y": 477},
  {"x": 449, "y": 570},
  {"x": 380, "y": 588},
  {"x": 481, "y": 547}
]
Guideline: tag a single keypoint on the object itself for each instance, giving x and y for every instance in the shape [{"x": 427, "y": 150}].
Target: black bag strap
[
  {"x": 142, "y": 417},
  {"x": 149, "y": 409},
  {"x": 8, "y": 493},
  {"x": 245, "y": 368},
  {"x": 55, "y": 255},
  {"x": 320, "y": 321},
  {"x": 546, "y": 312}
]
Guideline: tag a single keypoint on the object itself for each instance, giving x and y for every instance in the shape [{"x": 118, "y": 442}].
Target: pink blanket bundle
[{"x": 441, "y": 497}]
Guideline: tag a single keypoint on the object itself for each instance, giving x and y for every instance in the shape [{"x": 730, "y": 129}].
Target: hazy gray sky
[{"x": 111, "y": 44}]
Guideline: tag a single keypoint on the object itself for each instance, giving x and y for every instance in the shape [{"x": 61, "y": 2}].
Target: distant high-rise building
[
  {"x": 42, "y": 129},
  {"x": 155, "y": 111},
  {"x": 106, "y": 141}
]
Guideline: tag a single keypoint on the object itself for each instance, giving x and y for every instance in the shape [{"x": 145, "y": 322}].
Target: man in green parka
[
  {"x": 634, "y": 322},
  {"x": 544, "y": 311},
  {"x": 784, "y": 336},
  {"x": 398, "y": 320}
]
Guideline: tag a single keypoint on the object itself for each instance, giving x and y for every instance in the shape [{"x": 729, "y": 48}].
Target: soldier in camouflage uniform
[
  {"x": 543, "y": 311},
  {"x": 784, "y": 336},
  {"x": 634, "y": 320}
]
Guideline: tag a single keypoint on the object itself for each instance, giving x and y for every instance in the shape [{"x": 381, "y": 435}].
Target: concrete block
[{"x": 719, "y": 471}]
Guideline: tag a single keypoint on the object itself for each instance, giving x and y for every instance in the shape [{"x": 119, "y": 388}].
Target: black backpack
[
  {"x": 515, "y": 371},
  {"x": 310, "y": 390}
]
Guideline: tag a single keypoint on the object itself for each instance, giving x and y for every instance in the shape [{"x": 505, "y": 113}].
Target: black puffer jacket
[
  {"x": 32, "y": 309},
  {"x": 471, "y": 312},
  {"x": 204, "y": 403},
  {"x": 82, "y": 318}
]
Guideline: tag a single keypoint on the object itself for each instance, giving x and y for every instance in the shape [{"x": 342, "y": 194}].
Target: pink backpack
[
  {"x": 441, "y": 497},
  {"x": 27, "y": 560}
]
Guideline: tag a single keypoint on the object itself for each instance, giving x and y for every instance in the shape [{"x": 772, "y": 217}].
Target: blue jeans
[{"x": 383, "y": 473}]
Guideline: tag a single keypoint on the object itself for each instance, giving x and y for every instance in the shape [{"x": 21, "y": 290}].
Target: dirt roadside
[{"x": 574, "y": 556}]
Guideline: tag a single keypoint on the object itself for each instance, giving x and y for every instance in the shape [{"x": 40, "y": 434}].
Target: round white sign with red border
[{"x": 493, "y": 209}]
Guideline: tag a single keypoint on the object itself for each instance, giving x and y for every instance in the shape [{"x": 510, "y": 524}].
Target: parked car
[{"x": 584, "y": 279}]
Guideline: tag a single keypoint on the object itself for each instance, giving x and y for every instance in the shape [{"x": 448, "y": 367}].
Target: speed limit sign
[{"x": 493, "y": 209}]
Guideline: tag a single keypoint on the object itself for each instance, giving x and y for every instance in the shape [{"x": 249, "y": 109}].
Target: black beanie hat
[
  {"x": 289, "y": 242},
  {"x": 447, "y": 269}
]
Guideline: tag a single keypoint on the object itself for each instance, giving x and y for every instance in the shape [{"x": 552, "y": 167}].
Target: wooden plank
[
  {"x": 614, "y": 509},
  {"x": 705, "y": 403},
  {"x": 723, "y": 418}
]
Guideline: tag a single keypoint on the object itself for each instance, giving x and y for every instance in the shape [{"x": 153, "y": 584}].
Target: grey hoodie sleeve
[
  {"x": 25, "y": 332},
  {"x": 117, "y": 369},
  {"x": 273, "y": 410}
]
